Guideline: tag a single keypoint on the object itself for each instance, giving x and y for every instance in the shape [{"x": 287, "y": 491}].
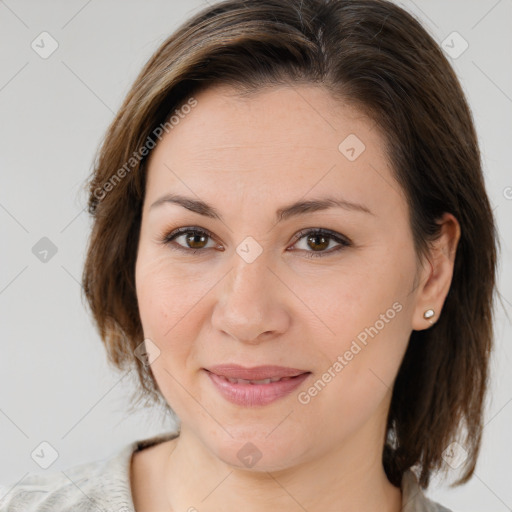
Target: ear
[{"x": 436, "y": 275}]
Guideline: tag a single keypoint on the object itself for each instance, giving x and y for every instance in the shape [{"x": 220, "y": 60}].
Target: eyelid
[
  {"x": 342, "y": 241},
  {"x": 168, "y": 238}
]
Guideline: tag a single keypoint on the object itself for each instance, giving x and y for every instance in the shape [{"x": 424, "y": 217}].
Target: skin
[{"x": 249, "y": 156}]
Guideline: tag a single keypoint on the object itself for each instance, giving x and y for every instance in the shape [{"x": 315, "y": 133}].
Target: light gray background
[{"x": 55, "y": 384}]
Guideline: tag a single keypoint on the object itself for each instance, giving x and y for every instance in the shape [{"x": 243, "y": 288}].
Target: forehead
[
  {"x": 280, "y": 142},
  {"x": 279, "y": 117}
]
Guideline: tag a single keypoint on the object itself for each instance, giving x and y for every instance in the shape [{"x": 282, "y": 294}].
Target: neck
[{"x": 350, "y": 476}]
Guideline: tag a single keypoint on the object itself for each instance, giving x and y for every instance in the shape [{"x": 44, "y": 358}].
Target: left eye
[
  {"x": 320, "y": 239},
  {"x": 317, "y": 239}
]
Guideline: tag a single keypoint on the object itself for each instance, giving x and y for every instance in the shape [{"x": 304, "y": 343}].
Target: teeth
[{"x": 263, "y": 381}]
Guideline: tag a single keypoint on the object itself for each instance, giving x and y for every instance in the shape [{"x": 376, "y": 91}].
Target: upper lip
[{"x": 235, "y": 371}]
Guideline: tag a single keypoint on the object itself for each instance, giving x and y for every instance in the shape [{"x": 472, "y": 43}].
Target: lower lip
[{"x": 249, "y": 395}]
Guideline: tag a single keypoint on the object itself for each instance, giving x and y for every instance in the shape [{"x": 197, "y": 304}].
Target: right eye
[{"x": 194, "y": 239}]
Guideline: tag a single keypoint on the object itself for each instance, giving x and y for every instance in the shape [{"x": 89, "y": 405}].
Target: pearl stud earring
[{"x": 429, "y": 313}]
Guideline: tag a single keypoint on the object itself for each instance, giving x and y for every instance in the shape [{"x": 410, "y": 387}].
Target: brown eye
[
  {"x": 318, "y": 240},
  {"x": 196, "y": 241},
  {"x": 193, "y": 239}
]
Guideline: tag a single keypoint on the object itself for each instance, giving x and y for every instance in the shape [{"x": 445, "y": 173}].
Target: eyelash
[{"x": 344, "y": 242}]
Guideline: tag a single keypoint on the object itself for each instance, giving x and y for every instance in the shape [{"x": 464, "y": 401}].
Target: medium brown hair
[{"x": 375, "y": 56}]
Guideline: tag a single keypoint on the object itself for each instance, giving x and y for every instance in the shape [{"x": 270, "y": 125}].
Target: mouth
[
  {"x": 267, "y": 384},
  {"x": 255, "y": 375},
  {"x": 255, "y": 382}
]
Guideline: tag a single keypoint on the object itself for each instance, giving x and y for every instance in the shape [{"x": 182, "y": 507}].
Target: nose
[{"x": 252, "y": 303}]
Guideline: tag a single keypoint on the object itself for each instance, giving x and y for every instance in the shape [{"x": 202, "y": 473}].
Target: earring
[{"x": 429, "y": 313}]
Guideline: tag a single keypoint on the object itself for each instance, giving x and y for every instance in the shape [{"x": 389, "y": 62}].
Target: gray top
[{"x": 104, "y": 486}]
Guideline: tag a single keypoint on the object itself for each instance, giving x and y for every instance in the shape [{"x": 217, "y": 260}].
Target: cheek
[
  {"x": 368, "y": 315},
  {"x": 356, "y": 382},
  {"x": 357, "y": 306},
  {"x": 164, "y": 294},
  {"x": 154, "y": 300},
  {"x": 166, "y": 311},
  {"x": 171, "y": 310}
]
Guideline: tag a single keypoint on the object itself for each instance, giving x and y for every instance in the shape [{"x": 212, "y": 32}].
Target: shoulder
[
  {"x": 101, "y": 485},
  {"x": 413, "y": 498}
]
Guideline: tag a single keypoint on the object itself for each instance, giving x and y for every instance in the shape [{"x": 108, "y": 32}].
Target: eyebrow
[{"x": 286, "y": 212}]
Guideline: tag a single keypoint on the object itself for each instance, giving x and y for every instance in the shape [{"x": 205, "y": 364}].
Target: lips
[
  {"x": 254, "y": 381},
  {"x": 255, "y": 375},
  {"x": 258, "y": 386}
]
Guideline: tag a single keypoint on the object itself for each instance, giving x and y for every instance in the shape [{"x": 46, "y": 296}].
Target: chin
[{"x": 254, "y": 450}]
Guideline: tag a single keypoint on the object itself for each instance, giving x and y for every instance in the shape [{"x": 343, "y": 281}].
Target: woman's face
[{"x": 246, "y": 290}]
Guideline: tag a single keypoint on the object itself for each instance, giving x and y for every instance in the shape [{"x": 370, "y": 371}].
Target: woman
[{"x": 293, "y": 247}]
